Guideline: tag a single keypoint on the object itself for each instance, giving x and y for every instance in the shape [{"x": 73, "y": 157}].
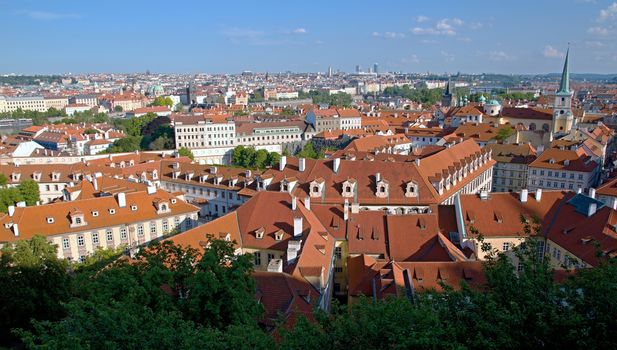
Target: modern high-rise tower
[
  {"x": 357, "y": 68},
  {"x": 375, "y": 68}
]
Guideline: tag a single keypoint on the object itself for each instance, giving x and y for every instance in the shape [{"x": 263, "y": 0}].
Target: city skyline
[{"x": 514, "y": 38}]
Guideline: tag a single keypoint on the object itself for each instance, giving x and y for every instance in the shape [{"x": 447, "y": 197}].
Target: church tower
[
  {"x": 448, "y": 99},
  {"x": 563, "y": 119}
]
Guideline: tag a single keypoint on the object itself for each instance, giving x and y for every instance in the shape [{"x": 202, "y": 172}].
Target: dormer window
[
  {"x": 112, "y": 211},
  {"x": 36, "y": 176},
  {"x": 278, "y": 235},
  {"x": 77, "y": 218},
  {"x": 348, "y": 188},
  {"x": 551, "y": 161},
  {"x": 15, "y": 177},
  {"x": 412, "y": 189},
  {"x": 95, "y": 213},
  {"x": 316, "y": 187},
  {"x": 155, "y": 174},
  {"x": 133, "y": 207},
  {"x": 382, "y": 189},
  {"x": 259, "y": 233},
  {"x": 50, "y": 220},
  {"x": 55, "y": 176},
  {"x": 173, "y": 201}
]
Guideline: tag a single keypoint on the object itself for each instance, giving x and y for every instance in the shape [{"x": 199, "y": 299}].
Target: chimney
[
  {"x": 377, "y": 177},
  {"x": 151, "y": 190},
  {"x": 297, "y": 226},
  {"x": 95, "y": 183},
  {"x": 307, "y": 203},
  {"x": 579, "y": 190},
  {"x": 282, "y": 163},
  {"x": 15, "y": 230},
  {"x": 524, "y": 195},
  {"x": 301, "y": 164},
  {"x": 121, "y": 200},
  {"x": 538, "y": 194},
  {"x": 11, "y": 210},
  {"x": 294, "y": 203},
  {"x": 614, "y": 203},
  {"x": 592, "y": 209},
  {"x": 592, "y": 192},
  {"x": 336, "y": 163},
  {"x": 418, "y": 161},
  {"x": 346, "y": 210}
]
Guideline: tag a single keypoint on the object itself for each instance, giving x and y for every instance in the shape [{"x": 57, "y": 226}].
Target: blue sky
[{"x": 522, "y": 36}]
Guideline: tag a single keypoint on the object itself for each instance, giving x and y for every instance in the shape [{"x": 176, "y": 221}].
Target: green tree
[
  {"x": 273, "y": 159},
  {"x": 237, "y": 155},
  {"x": 29, "y": 191},
  {"x": 9, "y": 196},
  {"x": 34, "y": 283},
  {"x": 185, "y": 152},
  {"x": 118, "y": 108},
  {"x": 504, "y": 133},
  {"x": 260, "y": 159},
  {"x": 179, "y": 107},
  {"x": 3, "y": 180}
]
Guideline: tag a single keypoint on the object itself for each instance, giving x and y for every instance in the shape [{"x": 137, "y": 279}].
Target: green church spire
[{"x": 564, "y": 85}]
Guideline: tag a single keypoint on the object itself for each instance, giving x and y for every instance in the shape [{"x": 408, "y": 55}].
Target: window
[
  {"x": 270, "y": 257},
  {"x": 338, "y": 269},
  {"x": 338, "y": 253},
  {"x": 66, "y": 244},
  {"x": 153, "y": 228},
  {"x": 177, "y": 223},
  {"x": 80, "y": 240},
  {"x": 257, "y": 258},
  {"x": 506, "y": 246},
  {"x": 165, "y": 225},
  {"x": 123, "y": 232},
  {"x": 95, "y": 238},
  {"x": 580, "y": 176},
  {"x": 140, "y": 230}
]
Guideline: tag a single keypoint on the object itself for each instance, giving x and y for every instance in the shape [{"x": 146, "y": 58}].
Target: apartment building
[
  {"x": 197, "y": 131},
  {"x": 269, "y": 133},
  {"x": 215, "y": 189},
  {"x": 512, "y": 165},
  {"x": 563, "y": 169},
  {"x": 80, "y": 227},
  {"x": 33, "y": 103},
  {"x": 334, "y": 119},
  {"x": 85, "y": 99},
  {"x": 396, "y": 186},
  {"x": 57, "y": 102}
]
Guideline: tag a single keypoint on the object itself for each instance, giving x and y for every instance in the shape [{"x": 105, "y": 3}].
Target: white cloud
[
  {"x": 422, "y": 19},
  {"x": 447, "y": 57},
  {"x": 552, "y": 52},
  {"x": 413, "y": 59},
  {"x": 608, "y": 13},
  {"x": 300, "y": 31},
  {"x": 499, "y": 56},
  {"x": 603, "y": 31},
  {"x": 428, "y": 41},
  {"x": 445, "y": 26},
  {"x": 389, "y": 35},
  {"x": 393, "y": 35},
  {"x": 465, "y": 39},
  {"x": 48, "y": 16},
  {"x": 594, "y": 44},
  {"x": 476, "y": 25}
]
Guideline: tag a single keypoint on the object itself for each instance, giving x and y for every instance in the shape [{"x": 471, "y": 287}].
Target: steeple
[
  {"x": 564, "y": 85},
  {"x": 449, "y": 87}
]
